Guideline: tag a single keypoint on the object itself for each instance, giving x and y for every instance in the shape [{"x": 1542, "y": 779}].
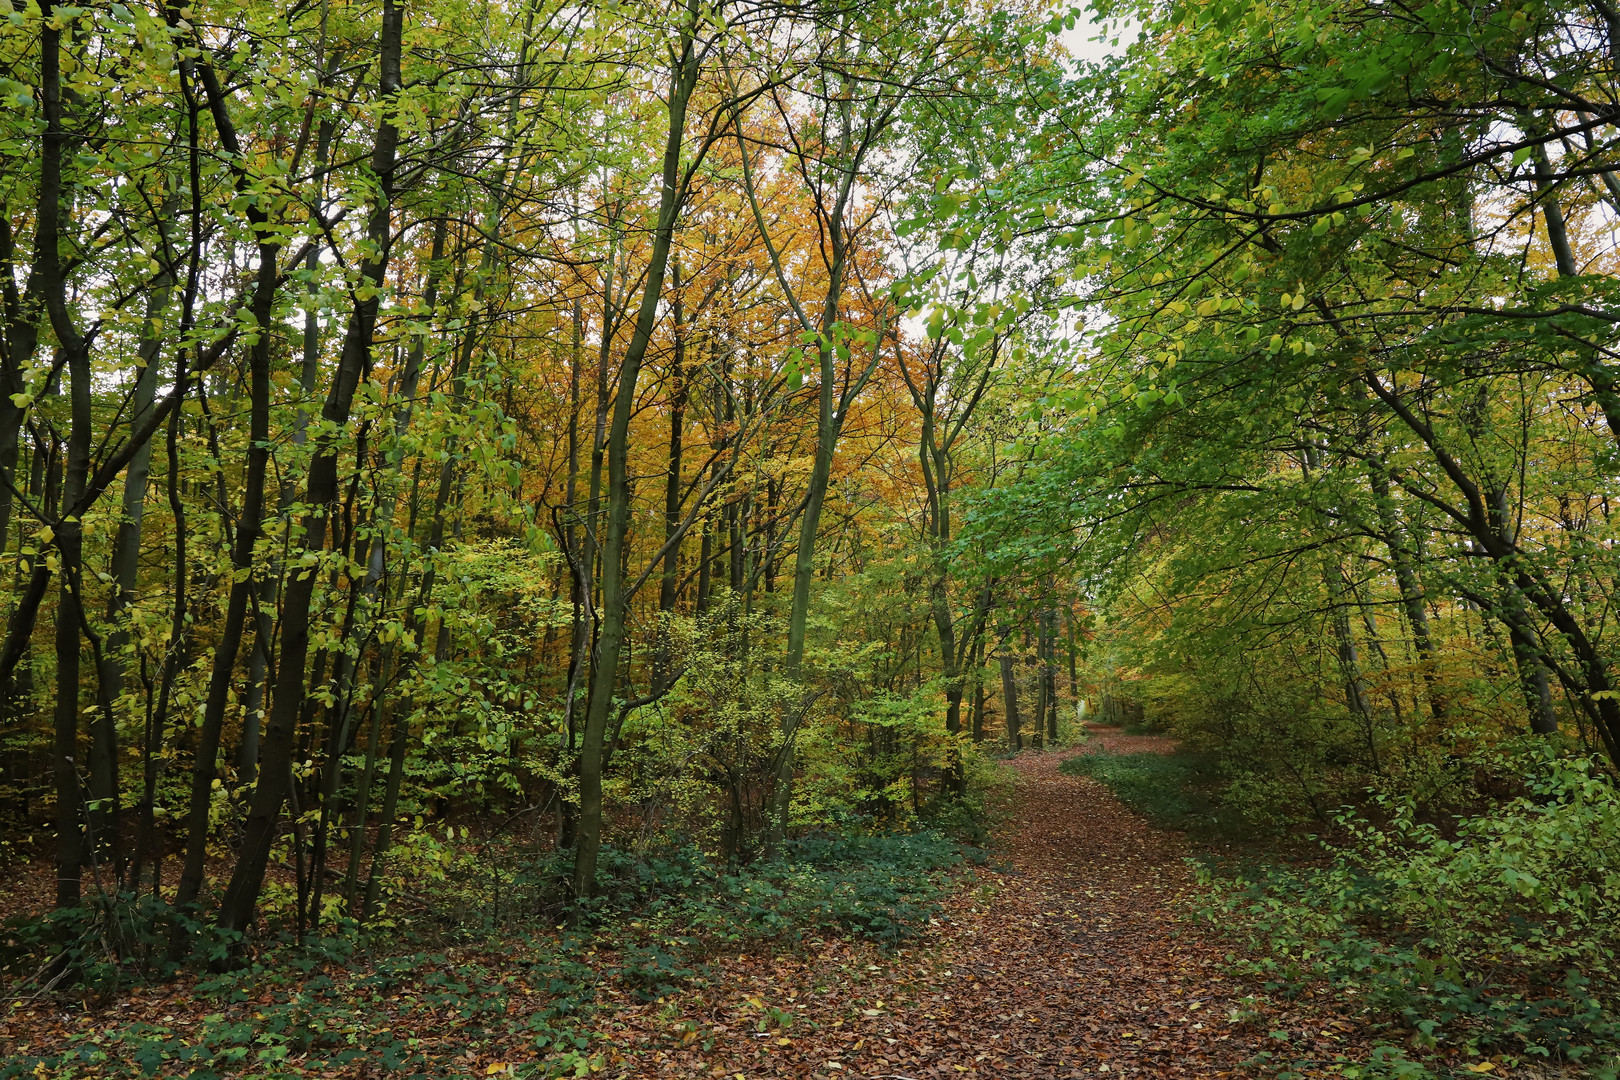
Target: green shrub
[
  {"x": 1496, "y": 929},
  {"x": 109, "y": 942},
  {"x": 881, "y": 888}
]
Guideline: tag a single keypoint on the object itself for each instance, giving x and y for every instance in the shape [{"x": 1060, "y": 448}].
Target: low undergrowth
[
  {"x": 1474, "y": 933},
  {"x": 878, "y": 888},
  {"x": 1477, "y": 940},
  {"x": 301, "y": 1012},
  {"x": 1174, "y": 791},
  {"x": 530, "y": 991}
]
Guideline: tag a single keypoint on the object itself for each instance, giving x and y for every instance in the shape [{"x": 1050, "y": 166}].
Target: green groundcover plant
[
  {"x": 1486, "y": 931},
  {"x": 299, "y": 1008}
]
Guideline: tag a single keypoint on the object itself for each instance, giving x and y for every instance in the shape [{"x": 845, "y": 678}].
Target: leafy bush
[
  {"x": 962, "y": 817},
  {"x": 99, "y": 947},
  {"x": 880, "y": 888},
  {"x": 1493, "y": 929}
]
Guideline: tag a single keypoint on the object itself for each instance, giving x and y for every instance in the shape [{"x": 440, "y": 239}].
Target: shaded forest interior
[{"x": 635, "y": 473}]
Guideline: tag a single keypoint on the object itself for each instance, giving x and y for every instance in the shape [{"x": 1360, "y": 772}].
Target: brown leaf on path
[{"x": 1074, "y": 959}]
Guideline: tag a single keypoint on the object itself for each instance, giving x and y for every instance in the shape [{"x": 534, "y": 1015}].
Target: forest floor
[{"x": 1070, "y": 955}]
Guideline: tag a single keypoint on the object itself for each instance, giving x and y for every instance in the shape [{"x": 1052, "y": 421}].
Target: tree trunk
[
  {"x": 264, "y": 622},
  {"x": 672, "y": 483},
  {"x": 241, "y": 896},
  {"x": 69, "y": 531},
  {"x": 1406, "y": 579},
  {"x": 1009, "y": 699},
  {"x": 605, "y": 661},
  {"x": 1355, "y": 687},
  {"x": 1049, "y": 674},
  {"x": 249, "y": 526},
  {"x": 375, "y": 565},
  {"x": 126, "y": 548},
  {"x": 1074, "y": 679}
]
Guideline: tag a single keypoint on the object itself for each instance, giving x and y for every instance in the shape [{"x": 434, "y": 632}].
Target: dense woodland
[{"x": 470, "y": 448}]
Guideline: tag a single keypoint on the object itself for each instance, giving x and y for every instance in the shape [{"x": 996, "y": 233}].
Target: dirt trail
[
  {"x": 1081, "y": 951},
  {"x": 1070, "y": 959}
]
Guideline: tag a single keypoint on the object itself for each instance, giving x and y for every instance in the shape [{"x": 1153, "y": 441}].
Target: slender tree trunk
[
  {"x": 976, "y": 713},
  {"x": 1406, "y": 579},
  {"x": 830, "y": 418},
  {"x": 157, "y": 717},
  {"x": 126, "y": 547},
  {"x": 587, "y": 561},
  {"x": 149, "y": 842},
  {"x": 578, "y": 635},
  {"x": 1074, "y": 678},
  {"x": 409, "y": 379},
  {"x": 934, "y": 457},
  {"x": 264, "y": 813},
  {"x": 1049, "y": 671},
  {"x": 1600, "y": 376},
  {"x": 19, "y": 337},
  {"x": 705, "y": 561},
  {"x": 449, "y": 481},
  {"x": 16, "y": 674},
  {"x": 1551, "y": 212},
  {"x": 264, "y": 630},
  {"x": 69, "y": 531},
  {"x": 247, "y": 752},
  {"x": 249, "y": 528},
  {"x": 1037, "y": 731},
  {"x": 1355, "y": 686},
  {"x": 672, "y": 483},
  {"x": 605, "y": 662},
  {"x": 1522, "y": 633},
  {"x": 390, "y": 811}
]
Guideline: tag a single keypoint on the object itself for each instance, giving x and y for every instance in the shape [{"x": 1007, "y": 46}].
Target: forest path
[{"x": 1069, "y": 957}]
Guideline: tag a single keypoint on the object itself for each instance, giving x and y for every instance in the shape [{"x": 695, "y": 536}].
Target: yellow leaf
[
  {"x": 499, "y": 1066},
  {"x": 784, "y": 1042},
  {"x": 1482, "y": 1067}
]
